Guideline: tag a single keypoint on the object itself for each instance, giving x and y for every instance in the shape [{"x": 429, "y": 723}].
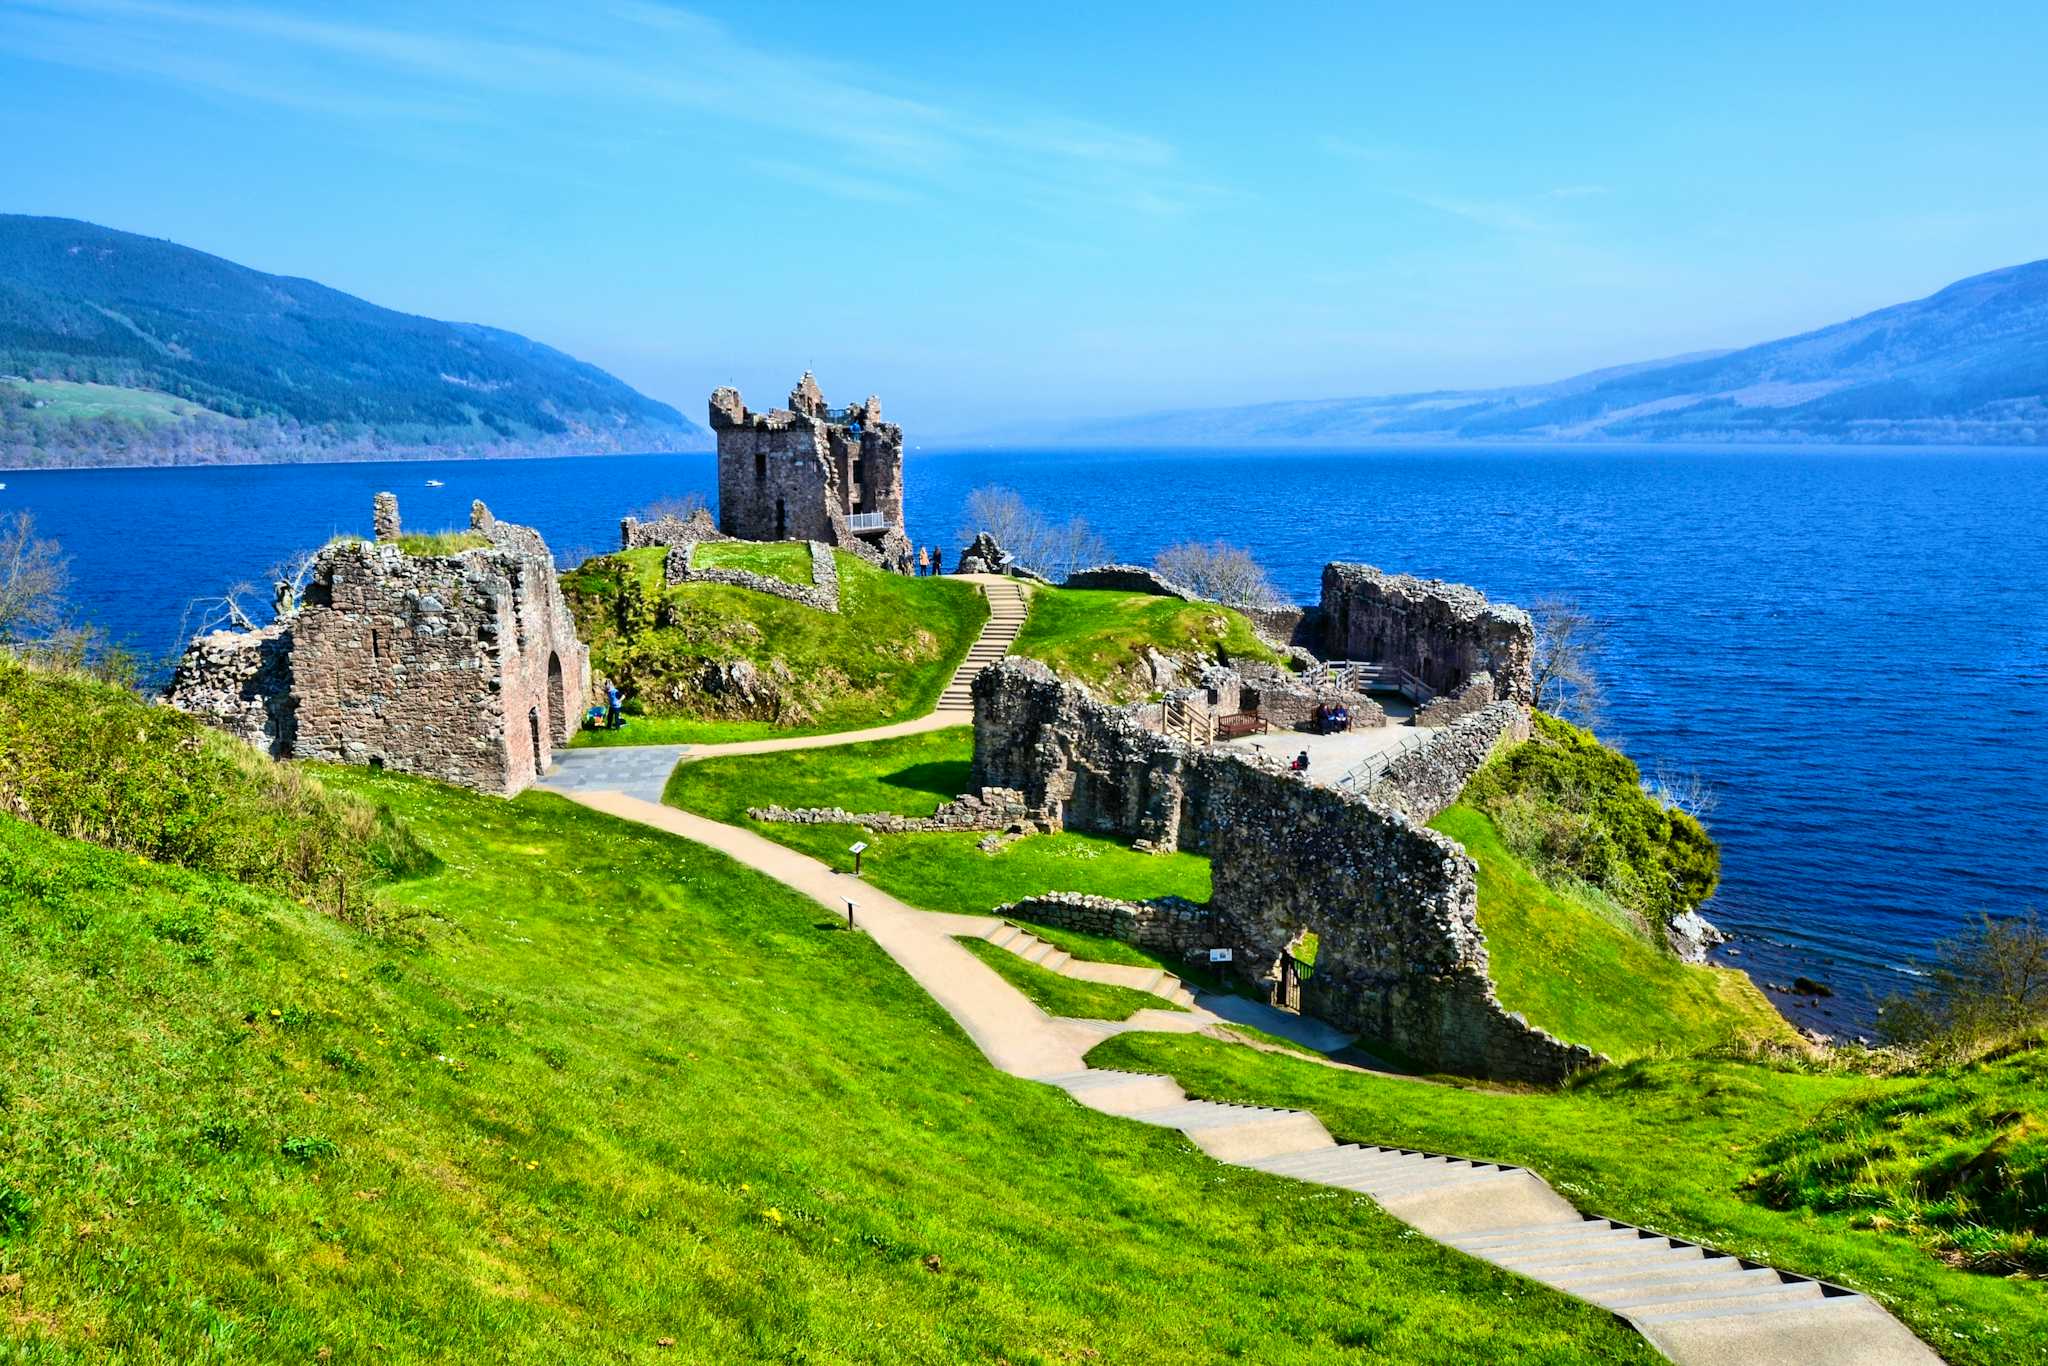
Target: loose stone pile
[{"x": 992, "y": 808}]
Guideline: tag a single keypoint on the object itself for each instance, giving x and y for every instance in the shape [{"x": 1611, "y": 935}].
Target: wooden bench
[{"x": 1242, "y": 724}]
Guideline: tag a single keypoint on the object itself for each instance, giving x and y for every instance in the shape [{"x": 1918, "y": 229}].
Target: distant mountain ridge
[
  {"x": 117, "y": 348},
  {"x": 1967, "y": 365}
]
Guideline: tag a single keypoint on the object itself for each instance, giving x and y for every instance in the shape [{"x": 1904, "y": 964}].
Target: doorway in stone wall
[
  {"x": 540, "y": 766},
  {"x": 781, "y": 520},
  {"x": 558, "y": 703}
]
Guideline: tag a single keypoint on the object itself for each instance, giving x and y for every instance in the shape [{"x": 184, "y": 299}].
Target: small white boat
[{"x": 435, "y": 484}]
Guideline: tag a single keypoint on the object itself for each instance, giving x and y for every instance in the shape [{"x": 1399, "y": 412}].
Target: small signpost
[
  {"x": 857, "y": 848},
  {"x": 1219, "y": 955},
  {"x": 849, "y": 913}
]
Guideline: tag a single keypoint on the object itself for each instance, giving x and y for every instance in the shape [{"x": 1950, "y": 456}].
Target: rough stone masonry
[
  {"x": 1394, "y": 904},
  {"x": 464, "y": 667}
]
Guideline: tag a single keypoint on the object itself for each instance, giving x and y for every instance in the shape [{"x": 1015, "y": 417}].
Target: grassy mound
[
  {"x": 1067, "y": 997},
  {"x": 1098, "y": 638},
  {"x": 1589, "y": 972},
  {"x": 97, "y": 763},
  {"x": 789, "y": 561},
  {"x": 1576, "y": 810},
  {"x": 911, "y": 776},
  {"x": 884, "y": 657},
  {"x": 1958, "y": 1162},
  {"x": 1675, "y": 1145},
  {"x": 623, "y": 1094}
]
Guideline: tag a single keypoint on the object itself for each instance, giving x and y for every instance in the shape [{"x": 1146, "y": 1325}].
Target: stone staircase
[
  {"x": 1694, "y": 1304},
  {"x": 1032, "y": 949},
  {"x": 1007, "y": 605}
]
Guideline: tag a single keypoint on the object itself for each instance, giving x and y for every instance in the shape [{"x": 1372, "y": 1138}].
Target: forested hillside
[{"x": 118, "y": 349}]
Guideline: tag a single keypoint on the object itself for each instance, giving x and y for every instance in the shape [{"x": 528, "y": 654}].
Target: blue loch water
[{"x": 1850, "y": 646}]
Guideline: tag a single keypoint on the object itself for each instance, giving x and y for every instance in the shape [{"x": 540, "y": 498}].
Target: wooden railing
[{"x": 1362, "y": 676}]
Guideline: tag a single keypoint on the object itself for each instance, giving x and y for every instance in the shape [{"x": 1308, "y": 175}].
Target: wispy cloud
[{"x": 628, "y": 60}]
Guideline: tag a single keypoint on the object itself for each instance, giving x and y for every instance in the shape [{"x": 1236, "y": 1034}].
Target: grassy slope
[
  {"x": 884, "y": 657},
  {"x": 1099, "y": 637},
  {"x": 940, "y": 872},
  {"x": 1669, "y": 1144},
  {"x": 1584, "y": 977},
  {"x": 66, "y": 401},
  {"x": 1068, "y": 997},
  {"x": 623, "y": 1091},
  {"x": 789, "y": 561}
]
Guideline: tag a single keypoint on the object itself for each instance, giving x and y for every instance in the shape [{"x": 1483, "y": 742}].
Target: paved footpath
[{"x": 1697, "y": 1306}]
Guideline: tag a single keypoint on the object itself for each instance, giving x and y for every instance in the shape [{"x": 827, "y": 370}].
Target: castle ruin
[
  {"x": 810, "y": 472},
  {"x": 462, "y": 666}
]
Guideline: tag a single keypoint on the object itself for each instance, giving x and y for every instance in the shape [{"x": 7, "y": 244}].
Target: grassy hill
[
  {"x": 1099, "y": 638},
  {"x": 884, "y": 656},
  {"x": 607, "y": 1096},
  {"x": 224, "y": 362}
]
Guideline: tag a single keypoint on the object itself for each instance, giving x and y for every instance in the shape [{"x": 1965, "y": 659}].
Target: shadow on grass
[{"x": 946, "y": 779}]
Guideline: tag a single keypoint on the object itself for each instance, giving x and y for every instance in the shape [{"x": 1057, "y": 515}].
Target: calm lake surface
[{"x": 1850, "y": 646}]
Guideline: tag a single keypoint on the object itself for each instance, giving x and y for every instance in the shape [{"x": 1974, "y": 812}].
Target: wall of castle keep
[
  {"x": 1443, "y": 633},
  {"x": 1393, "y": 904},
  {"x": 461, "y": 667},
  {"x": 800, "y": 473}
]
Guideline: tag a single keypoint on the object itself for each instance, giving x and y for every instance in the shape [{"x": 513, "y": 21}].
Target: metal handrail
[
  {"x": 1366, "y": 772},
  {"x": 865, "y": 521}
]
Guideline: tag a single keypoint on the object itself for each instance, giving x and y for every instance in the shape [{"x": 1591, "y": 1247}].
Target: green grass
[
  {"x": 621, "y": 1090},
  {"x": 789, "y": 561},
  {"x": 1672, "y": 1144},
  {"x": 1098, "y": 637},
  {"x": 884, "y": 657},
  {"x": 1589, "y": 974},
  {"x": 939, "y": 872},
  {"x": 67, "y": 401},
  {"x": 1065, "y": 997},
  {"x": 430, "y": 543}
]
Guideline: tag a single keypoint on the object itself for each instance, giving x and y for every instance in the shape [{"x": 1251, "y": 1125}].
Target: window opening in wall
[{"x": 760, "y": 464}]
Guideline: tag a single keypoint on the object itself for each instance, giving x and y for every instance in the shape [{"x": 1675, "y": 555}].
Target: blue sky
[{"x": 987, "y": 212}]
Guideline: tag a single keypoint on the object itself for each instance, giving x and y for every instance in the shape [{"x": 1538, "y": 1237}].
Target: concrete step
[
  {"x": 1652, "y": 1293},
  {"x": 1614, "y": 1281},
  {"x": 1465, "y": 1241},
  {"x": 1287, "y": 1164},
  {"x": 1540, "y": 1235},
  {"x": 1360, "y": 1162},
  {"x": 1835, "y": 1330},
  {"x": 1599, "y": 1259},
  {"x": 1241, "y": 1133},
  {"x": 1392, "y": 1187},
  {"x": 1119, "y": 1093},
  {"x": 1741, "y": 1300}
]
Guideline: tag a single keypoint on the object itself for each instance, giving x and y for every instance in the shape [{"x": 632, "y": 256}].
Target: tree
[
  {"x": 1987, "y": 983},
  {"x": 1068, "y": 549},
  {"x": 1219, "y": 572},
  {"x": 1683, "y": 789},
  {"x": 681, "y": 506},
  {"x": 1031, "y": 541},
  {"x": 33, "y": 576},
  {"x": 1567, "y": 637}
]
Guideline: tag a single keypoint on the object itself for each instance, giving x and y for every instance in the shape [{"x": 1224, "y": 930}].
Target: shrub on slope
[
  {"x": 1576, "y": 809},
  {"x": 95, "y": 762}
]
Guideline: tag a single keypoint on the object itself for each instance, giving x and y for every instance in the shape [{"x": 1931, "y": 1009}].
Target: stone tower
[{"x": 810, "y": 472}]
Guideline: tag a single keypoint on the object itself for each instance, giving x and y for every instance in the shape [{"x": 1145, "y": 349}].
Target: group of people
[
  {"x": 1332, "y": 717},
  {"x": 932, "y": 561}
]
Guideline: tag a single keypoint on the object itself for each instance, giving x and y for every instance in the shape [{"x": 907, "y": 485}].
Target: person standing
[
  {"x": 611, "y": 706},
  {"x": 938, "y": 560},
  {"x": 924, "y": 562}
]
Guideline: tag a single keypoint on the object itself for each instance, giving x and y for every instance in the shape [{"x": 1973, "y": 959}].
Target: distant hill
[
  {"x": 119, "y": 349},
  {"x": 1966, "y": 366}
]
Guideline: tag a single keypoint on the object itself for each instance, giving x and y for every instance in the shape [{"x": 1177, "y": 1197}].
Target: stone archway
[{"x": 558, "y": 702}]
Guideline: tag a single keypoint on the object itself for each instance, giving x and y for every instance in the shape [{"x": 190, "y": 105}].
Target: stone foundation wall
[
  {"x": 1129, "y": 578},
  {"x": 1168, "y": 924},
  {"x": 1394, "y": 904},
  {"x": 1443, "y": 633},
  {"x": 822, "y": 592},
  {"x": 635, "y": 534},
  {"x": 1289, "y": 627},
  {"x": 989, "y": 809},
  {"x": 1421, "y": 783},
  {"x": 1288, "y": 702}
]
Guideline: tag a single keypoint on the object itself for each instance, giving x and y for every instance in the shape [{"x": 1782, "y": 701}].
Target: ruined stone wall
[
  {"x": 1475, "y": 695},
  {"x": 822, "y": 592},
  {"x": 1443, "y": 633},
  {"x": 462, "y": 667},
  {"x": 992, "y": 808},
  {"x": 1129, "y": 578},
  {"x": 240, "y": 682},
  {"x": 635, "y": 534},
  {"x": 1422, "y": 782},
  {"x": 1393, "y": 904},
  {"x": 1289, "y": 702}
]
